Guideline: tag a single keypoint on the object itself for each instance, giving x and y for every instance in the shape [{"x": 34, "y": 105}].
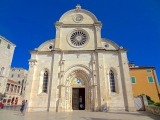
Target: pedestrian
[
  {"x": 22, "y": 106},
  {"x": 1, "y": 104},
  {"x": 25, "y": 107}
]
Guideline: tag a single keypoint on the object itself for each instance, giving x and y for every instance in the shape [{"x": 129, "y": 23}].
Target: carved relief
[
  {"x": 32, "y": 63},
  {"x": 77, "y": 18}
]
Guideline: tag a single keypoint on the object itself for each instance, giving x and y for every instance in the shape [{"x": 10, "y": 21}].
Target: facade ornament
[
  {"x": 32, "y": 62},
  {"x": 61, "y": 74},
  {"x": 94, "y": 58},
  {"x": 78, "y": 55},
  {"x": 78, "y": 8},
  {"x": 62, "y": 62},
  {"x": 58, "y": 25},
  {"x": 101, "y": 67},
  {"x": 94, "y": 73},
  {"x": 77, "y": 18},
  {"x": 98, "y": 26}
]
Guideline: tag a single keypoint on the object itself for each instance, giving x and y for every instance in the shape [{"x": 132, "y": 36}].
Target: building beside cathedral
[
  {"x": 19, "y": 75},
  {"x": 6, "y": 55},
  {"x": 79, "y": 70}
]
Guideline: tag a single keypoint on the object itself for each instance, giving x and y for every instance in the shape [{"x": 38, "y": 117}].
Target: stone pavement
[{"x": 13, "y": 113}]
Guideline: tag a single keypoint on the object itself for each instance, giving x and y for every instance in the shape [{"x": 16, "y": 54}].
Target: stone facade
[
  {"x": 12, "y": 93},
  {"x": 79, "y": 69},
  {"x": 6, "y": 55},
  {"x": 19, "y": 75}
]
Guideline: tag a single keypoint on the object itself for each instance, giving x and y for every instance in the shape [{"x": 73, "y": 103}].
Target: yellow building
[{"x": 144, "y": 81}]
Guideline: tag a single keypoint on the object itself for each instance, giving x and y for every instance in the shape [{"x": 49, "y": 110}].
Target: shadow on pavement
[
  {"x": 138, "y": 113},
  {"x": 14, "y": 108},
  {"x": 99, "y": 119}
]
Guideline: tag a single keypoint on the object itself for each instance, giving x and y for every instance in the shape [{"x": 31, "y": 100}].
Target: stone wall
[
  {"x": 153, "y": 109},
  {"x": 6, "y": 55}
]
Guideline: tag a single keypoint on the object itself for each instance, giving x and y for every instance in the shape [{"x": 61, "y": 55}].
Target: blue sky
[{"x": 133, "y": 24}]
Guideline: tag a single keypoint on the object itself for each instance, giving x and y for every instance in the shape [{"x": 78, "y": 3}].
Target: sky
[{"x": 133, "y": 24}]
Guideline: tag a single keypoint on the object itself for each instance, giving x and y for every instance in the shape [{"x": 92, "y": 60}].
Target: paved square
[{"x": 13, "y": 113}]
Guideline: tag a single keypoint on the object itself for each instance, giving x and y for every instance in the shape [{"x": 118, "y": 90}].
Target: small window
[
  {"x": 12, "y": 75},
  {"x": 13, "y": 70},
  {"x": 150, "y": 79},
  {"x": 148, "y": 71},
  {"x": 106, "y": 45},
  {"x": 112, "y": 81},
  {"x": 133, "y": 79},
  {"x": 0, "y": 41},
  {"x": 19, "y": 70},
  {"x": 9, "y": 46},
  {"x": 18, "y": 75},
  {"x": 2, "y": 71},
  {"x": 45, "y": 82}
]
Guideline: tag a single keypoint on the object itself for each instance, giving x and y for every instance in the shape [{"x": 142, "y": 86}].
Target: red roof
[
  {"x": 142, "y": 67},
  {"x": 11, "y": 81}
]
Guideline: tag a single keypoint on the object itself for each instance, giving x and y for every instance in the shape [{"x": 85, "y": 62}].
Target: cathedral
[{"x": 79, "y": 70}]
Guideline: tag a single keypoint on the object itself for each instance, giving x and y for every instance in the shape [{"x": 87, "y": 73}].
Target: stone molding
[
  {"x": 32, "y": 62},
  {"x": 45, "y": 43},
  {"x": 78, "y": 10},
  {"x": 78, "y": 65}
]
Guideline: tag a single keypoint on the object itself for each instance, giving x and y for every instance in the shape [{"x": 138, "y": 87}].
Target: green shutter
[
  {"x": 9, "y": 46},
  {"x": 133, "y": 79},
  {"x": 148, "y": 71},
  {"x": 0, "y": 41},
  {"x": 150, "y": 79}
]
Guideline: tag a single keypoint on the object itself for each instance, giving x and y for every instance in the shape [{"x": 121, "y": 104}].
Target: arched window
[
  {"x": 2, "y": 71},
  {"x": 112, "y": 81},
  {"x": 45, "y": 81}
]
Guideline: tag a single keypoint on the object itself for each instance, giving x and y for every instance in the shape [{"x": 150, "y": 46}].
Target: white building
[
  {"x": 12, "y": 93},
  {"x": 79, "y": 70},
  {"x": 19, "y": 75},
  {"x": 6, "y": 55}
]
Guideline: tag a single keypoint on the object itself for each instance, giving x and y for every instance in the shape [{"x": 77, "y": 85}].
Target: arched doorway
[
  {"x": 78, "y": 91},
  {"x": 78, "y": 94}
]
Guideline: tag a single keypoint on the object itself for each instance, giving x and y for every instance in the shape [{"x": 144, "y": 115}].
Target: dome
[{"x": 78, "y": 15}]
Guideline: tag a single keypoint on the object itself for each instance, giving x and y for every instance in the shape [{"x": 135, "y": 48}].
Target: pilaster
[
  {"x": 101, "y": 82},
  {"x": 126, "y": 82},
  {"x": 98, "y": 27},
  {"x": 58, "y": 26},
  {"x": 30, "y": 81},
  {"x": 94, "y": 85}
]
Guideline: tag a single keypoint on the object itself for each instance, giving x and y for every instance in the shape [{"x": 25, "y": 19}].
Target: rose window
[{"x": 78, "y": 38}]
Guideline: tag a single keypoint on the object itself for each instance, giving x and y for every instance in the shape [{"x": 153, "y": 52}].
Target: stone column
[
  {"x": 101, "y": 84},
  {"x": 94, "y": 84},
  {"x": 126, "y": 81},
  {"x": 98, "y": 27},
  {"x": 9, "y": 88},
  {"x": 57, "y": 42},
  {"x": 30, "y": 82},
  {"x": 60, "y": 107},
  {"x": 61, "y": 86},
  {"x": 19, "y": 90},
  {"x": 54, "y": 95}
]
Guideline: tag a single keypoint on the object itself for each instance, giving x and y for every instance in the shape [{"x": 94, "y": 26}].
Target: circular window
[
  {"x": 50, "y": 47},
  {"x": 78, "y": 38},
  {"x": 77, "y": 18},
  {"x": 106, "y": 45}
]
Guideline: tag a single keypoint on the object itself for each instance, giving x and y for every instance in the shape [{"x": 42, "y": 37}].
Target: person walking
[
  {"x": 22, "y": 106},
  {"x": 25, "y": 107}
]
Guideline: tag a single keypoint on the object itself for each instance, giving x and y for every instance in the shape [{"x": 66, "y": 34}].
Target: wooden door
[{"x": 75, "y": 99}]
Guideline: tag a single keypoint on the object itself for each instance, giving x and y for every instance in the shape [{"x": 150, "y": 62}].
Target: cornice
[{"x": 7, "y": 40}]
